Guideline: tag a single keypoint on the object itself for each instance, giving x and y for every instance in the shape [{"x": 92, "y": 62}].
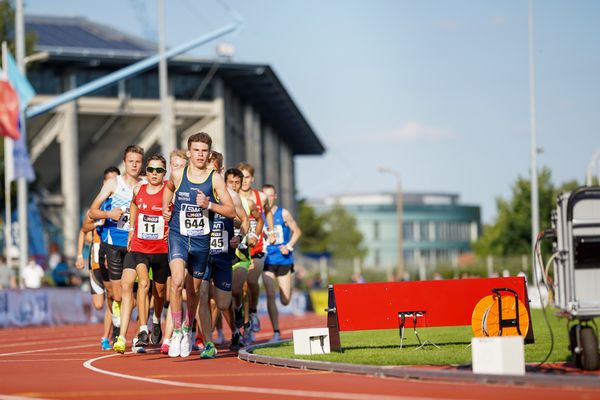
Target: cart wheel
[
  {"x": 575, "y": 353},
  {"x": 590, "y": 358}
]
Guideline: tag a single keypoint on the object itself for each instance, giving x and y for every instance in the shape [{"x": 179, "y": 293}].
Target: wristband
[
  {"x": 79, "y": 255},
  {"x": 209, "y": 205},
  {"x": 290, "y": 248}
]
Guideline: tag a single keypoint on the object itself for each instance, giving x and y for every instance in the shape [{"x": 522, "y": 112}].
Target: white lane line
[
  {"x": 16, "y": 353},
  {"x": 43, "y": 359},
  {"x": 249, "y": 389},
  {"x": 9, "y": 397}
]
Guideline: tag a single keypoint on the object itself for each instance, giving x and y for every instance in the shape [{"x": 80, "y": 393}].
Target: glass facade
[{"x": 433, "y": 234}]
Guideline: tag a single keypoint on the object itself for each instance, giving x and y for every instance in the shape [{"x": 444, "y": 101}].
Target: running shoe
[
  {"x": 235, "y": 342},
  {"x": 210, "y": 351},
  {"x": 254, "y": 322},
  {"x": 186, "y": 344},
  {"x": 276, "y": 337},
  {"x": 164, "y": 348},
  {"x": 198, "y": 344},
  {"x": 136, "y": 347},
  {"x": 105, "y": 344},
  {"x": 220, "y": 337},
  {"x": 119, "y": 345},
  {"x": 239, "y": 317},
  {"x": 156, "y": 335},
  {"x": 175, "y": 345},
  {"x": 142, "y": 338},
  {"x": 248, "y": 336}
]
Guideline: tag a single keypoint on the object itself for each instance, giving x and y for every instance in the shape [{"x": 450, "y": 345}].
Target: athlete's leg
[
  {"x": 270, "y": 287},
  {"x": 127, "y": 281},
  {"x": 177, "y": 267},
  {"x": 253, "y": 286},
  {"x": 142, "y": 294},
  {"x": 285, "y": 287}
]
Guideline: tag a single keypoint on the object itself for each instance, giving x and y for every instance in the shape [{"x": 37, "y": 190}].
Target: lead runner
[{"x": 196, "y": 189}]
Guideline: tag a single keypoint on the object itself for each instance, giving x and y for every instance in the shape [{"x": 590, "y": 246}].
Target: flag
[
  {"x": 22, "y": 163},
  {"x": 19, "y": 83},
  {"x": 9, "y": 111}
]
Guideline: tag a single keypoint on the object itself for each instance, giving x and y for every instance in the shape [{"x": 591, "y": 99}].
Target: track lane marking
[
  {"x": 16, "y": 353},
  {"x": 248, "y": 389}
]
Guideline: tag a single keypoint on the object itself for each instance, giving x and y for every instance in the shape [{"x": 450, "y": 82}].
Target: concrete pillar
[
  {"x": 69, "y": 167},
  {"x": 216, "y": 127},
  {"x": 271, "y": 157},
  {"x": 286, "y": 179}
]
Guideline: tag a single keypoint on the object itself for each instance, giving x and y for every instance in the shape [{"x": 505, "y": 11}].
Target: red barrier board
[{"x": 365, "y": 306}]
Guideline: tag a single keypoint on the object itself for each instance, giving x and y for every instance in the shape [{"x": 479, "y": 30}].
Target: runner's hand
[
  {"x": 167, "y": 214},
  {"x": 115, "y": 214},
  {"x": 284, "y": 250},
  {"x": 202, "y": 200},
  {"x": 79, "y": 262}
]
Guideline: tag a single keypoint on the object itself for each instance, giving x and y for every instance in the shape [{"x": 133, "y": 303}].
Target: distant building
[
  {"x": 437, "y": 229},
  {"x": 244, "y": 107}
]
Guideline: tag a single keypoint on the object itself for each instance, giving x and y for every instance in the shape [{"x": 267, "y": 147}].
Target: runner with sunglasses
[{"x": 147, "y": 248}]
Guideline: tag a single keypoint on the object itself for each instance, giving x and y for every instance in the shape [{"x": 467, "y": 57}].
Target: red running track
[{"x": 66, "y": 363}]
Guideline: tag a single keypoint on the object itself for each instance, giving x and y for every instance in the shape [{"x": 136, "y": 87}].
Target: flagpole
[
  {"x": 8, "y": 166},
  {"x": 22, "y": 183}
]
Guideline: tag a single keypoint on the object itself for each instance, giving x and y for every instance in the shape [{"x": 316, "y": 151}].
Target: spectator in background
[
  {"x": 7, "y": 276},
  {"x": 61, "y": 274},
  {"x": 32, "y": 274},
  {"x": 54, "y": 256}
]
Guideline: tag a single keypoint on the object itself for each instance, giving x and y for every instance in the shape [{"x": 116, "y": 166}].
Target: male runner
[
  {"x": 223, "y": 244},
  {"x": 99, "y": 280},
  {"x": 119, "y": 191},
  {"x": 279, "y": 262},
  {"x": 147, "y": 248},
  {"x": 195, "y": 191},
  {"x": 257, "y": 252}
]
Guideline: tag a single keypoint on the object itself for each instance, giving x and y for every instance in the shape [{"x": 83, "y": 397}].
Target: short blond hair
[{"x": 178, "y": 153}]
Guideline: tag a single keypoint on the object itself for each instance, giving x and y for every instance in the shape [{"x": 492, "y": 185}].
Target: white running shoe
[
  {"x": 254, "y": 322},
  {"x": 175, "y": 345},
  {"x": 116, "y": 314},
  {"x": 186, "y": 344},
  {"x": 276, "y": 337}
]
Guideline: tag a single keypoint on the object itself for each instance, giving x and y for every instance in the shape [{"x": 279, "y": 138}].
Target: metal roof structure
[{"x": 75, "y": 41}]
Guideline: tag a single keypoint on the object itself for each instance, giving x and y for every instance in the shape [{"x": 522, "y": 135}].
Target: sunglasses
[{"x": 158, "y": 170}]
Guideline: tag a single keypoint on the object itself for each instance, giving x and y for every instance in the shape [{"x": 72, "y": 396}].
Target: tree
[
  {"x": 333, "y": 231},
  {"x": 314, "y": 236},
  {"x": 510, "y": 234},
  {"x": 344, "y": 240}
]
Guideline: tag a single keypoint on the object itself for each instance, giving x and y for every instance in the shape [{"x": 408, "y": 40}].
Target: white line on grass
[{"x": 248, "y": 389}]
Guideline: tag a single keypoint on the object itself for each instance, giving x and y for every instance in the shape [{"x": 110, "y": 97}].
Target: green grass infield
[{"x": 382, "y": 347}]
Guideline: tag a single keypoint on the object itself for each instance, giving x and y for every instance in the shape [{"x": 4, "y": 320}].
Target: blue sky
[{"x": 436, "y": 90}]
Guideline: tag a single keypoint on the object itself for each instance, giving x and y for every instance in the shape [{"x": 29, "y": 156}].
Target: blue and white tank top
[
  {"x": 116, "y": 232},
  {"x": 283, "y": 234},
  {"x": 189, "y": 219},
  {"x": 222, "y": 232}
]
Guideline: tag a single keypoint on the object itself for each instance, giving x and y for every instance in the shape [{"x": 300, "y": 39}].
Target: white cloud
[{"x": 413, "y": 131}]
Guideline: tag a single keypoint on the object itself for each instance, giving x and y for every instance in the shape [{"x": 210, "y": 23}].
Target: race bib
[
  {"x": 219, "y": 239},
  {"x": 253, "y": 224},
  {"x": 278, "y": 234},
  {"x": 193, "y": 221},
  {"x": 123, "y": 222},
  {"x": 150, "y": 227}
]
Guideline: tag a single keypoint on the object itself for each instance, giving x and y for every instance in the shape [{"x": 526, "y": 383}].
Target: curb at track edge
[{"x": 418, "y": 373}]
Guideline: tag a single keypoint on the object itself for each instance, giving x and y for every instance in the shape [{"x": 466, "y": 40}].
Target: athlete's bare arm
[
  {"x": 267, "y": 206},
  {"x": 133, "y": 211},
  {"x": 296, "y": 232},
  {"x": 80, "y": 241},
  {"x": 174, "y": 181},
  {"x": 107, "y": 190},
  {"x": 225, "y": 206}
]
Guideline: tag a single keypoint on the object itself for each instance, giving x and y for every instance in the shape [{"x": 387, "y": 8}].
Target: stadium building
[
  {"x": 244, "y": 107},
  {"x": 437, "y": 229}
]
